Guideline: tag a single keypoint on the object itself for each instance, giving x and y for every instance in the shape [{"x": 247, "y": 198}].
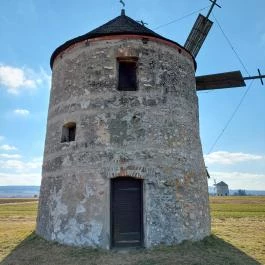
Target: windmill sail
[
  {"x": 218, "y": 81},
  {"x": 198, "y": 34}
]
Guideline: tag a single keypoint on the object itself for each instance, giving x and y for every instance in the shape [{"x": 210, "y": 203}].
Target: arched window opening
[{"x": 68, "y": 132}]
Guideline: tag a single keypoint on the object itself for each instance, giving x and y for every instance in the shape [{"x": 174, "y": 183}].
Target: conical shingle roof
[
  {"x": 221, "y": 184},
  {"x": 121, "y": 25}
]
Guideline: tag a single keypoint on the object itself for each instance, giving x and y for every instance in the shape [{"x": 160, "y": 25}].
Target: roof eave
[{"x": 71, "y": 42}]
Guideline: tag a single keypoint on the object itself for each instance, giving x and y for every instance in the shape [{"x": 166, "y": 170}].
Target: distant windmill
[{"x": 194, "y": 43}]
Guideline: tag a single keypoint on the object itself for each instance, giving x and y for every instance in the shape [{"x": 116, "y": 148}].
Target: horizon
[{"x": 38, "y": 186}]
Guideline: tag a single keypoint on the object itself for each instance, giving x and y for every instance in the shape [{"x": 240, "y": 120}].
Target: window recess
[
  {"x": 68, "y": 132},
  {"x": 127, "y": 74}
]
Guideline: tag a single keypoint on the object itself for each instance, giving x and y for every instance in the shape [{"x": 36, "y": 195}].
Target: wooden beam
[
  {"x": 198, "y": 34},
  {"x": 260, "y": 77},
  {"x": 219, "y": 81},
  {"x": 213, "y": 5}
]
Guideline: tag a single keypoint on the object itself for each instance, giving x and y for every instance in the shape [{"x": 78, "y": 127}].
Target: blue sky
[{"x": 30, "y": 30}]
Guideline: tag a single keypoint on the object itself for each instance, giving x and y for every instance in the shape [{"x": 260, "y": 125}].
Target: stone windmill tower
[{"x": 123, "y": 163}]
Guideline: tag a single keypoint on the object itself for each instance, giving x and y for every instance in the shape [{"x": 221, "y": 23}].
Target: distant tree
[{"x": 240, "y": 193}]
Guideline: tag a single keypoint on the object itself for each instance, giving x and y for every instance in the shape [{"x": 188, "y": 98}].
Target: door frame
[{"x": 112, "y": 212}]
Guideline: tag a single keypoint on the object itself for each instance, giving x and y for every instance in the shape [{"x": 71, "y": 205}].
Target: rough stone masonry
[{"x": 150, "y": 134}]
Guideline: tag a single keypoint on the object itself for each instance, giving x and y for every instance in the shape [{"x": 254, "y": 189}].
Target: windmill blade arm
[
  {"x": 219, "y": 81},
  {"x": 198, "y": 34}
]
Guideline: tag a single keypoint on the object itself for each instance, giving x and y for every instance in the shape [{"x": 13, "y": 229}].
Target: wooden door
[{"x": 126, "y": 212}]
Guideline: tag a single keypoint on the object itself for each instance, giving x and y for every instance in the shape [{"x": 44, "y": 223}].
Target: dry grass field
[
  {"x": 241, "y": 222},
  {"x": 238, "y": 225},
  {"x": 17, "y": 221}
]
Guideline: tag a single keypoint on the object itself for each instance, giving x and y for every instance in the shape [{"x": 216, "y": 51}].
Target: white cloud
[
  {"x": 18, "y": 172},
  {"x": 16, "y": 79},
  {"x": 227, "y": 158},
  {"x": 21, "y": 112},
  {"x": 29, "y": 179},
  {"x": 45, "y": 78},
  {"x": 8, "y": 156},
  {"x": 7, "y": 147},
  {"x": 21, "y": 166},
  {"x": 239, "y": 180}
]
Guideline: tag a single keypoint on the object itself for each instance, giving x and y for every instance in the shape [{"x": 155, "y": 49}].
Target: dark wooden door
[{"x": 126, "y": 212}]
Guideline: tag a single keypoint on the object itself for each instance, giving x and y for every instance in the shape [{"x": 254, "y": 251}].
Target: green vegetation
[
  {"x": 18, "y": 210},
  {"x": 241, "y": 222},
  {"x": 16, "y": 200},
  {"x": 237, "y": 207},
  {"x": 238, "y": 225},
  {"x": 221, "y": 210},
  {"x": 252, "y": 200},
  {"x": 17, "y": 222}
]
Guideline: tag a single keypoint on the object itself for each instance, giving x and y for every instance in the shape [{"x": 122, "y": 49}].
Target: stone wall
[{"x": 152, "y": 134}]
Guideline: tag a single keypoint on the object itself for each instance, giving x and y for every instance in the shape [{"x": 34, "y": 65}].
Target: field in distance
[{"x": 238, "y": 226}]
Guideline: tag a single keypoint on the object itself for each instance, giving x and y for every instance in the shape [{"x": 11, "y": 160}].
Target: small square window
[
  {"x": 127, "y": 75},
  {"x": 68, "y": 132}
]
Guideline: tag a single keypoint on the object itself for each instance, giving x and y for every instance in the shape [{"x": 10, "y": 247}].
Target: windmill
[{"x": 194, "y": 43}]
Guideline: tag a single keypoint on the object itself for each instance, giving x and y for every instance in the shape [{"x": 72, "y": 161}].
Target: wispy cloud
[
  {"x": 45, "y": 78},
  {"x": 30, "y": 179},
  {"x": 227, "y": 158},
  {"x": 21, "y": 166},
  {"x": 21, "y": 112},
  {"x": 239, "y": 180},
  {"x": 7, "y": 147},
  {"x": 9, "y": 156},
  {"x": 18, "y": 172},
  {"x": 16, "y": 79}
]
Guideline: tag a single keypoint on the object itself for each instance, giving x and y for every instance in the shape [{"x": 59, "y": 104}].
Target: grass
[
  {"x": 211, "y": 251},
  {"x": 241, "y": 222},
  {"x": 238, "y": 225},
  {"x": 16, "y": 200},
  {"x": 18, "y": 210},
  {"x": 238, "y": 207},
  {"x": 17, "y": 222}
]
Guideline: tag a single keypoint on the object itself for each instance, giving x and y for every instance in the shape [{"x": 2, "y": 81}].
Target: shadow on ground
[{"x": 211, "y": 251}]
